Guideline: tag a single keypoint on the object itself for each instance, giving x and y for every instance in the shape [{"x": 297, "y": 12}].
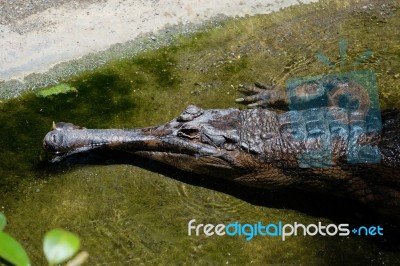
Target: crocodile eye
[{"x": 190, "y": 133}]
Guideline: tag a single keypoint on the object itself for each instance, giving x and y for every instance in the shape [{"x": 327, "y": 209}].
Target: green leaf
[
  {"x": 3, "y": 221},
  {"x": 60, "y": 245},
  {"x": 12, "y": 251}
]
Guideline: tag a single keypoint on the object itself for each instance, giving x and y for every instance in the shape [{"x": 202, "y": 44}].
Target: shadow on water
[
  {"x": 25, "y": 120},
  {"x": 339, "y": 210},
  {"x": 99, "y": 95}
]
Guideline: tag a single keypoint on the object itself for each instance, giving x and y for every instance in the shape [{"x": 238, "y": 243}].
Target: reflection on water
[{"x": 127, "y": 209}]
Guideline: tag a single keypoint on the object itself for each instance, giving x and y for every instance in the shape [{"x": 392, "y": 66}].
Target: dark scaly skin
[{"x": 256, "y": 147}]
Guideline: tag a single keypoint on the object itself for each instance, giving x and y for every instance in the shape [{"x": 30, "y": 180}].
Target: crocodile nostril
[
  {"x": 53, "y": 142},
  {"x": 57, "y": 139}
]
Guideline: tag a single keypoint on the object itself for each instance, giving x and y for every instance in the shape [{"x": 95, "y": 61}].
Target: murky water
[{"x": 130, "y": 210}]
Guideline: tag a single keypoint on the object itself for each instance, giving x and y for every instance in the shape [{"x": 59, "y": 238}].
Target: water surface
[{"x": 130, "y": 210}]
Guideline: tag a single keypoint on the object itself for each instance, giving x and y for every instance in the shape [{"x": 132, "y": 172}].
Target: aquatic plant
[{"x": 58, "y": 246}]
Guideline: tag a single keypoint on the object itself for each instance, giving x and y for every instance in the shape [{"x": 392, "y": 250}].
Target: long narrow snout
[{"x": 198, "y": 141}]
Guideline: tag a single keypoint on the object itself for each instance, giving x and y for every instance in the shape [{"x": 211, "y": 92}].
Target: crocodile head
[{"x": 200, "y": 141}]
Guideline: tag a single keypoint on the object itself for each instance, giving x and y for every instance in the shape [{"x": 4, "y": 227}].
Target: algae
[
  {"x": 54, "y": 90},
  {"x": 130, "y": 210}
]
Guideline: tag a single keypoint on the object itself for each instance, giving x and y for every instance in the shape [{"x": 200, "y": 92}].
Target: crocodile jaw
[{"x": 198, "y": 141}]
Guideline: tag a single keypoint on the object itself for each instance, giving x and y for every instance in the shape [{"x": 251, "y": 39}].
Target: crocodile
[{"x": 307, "y": 149}]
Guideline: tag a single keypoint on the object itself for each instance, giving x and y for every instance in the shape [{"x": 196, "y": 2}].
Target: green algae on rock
[{"x": 61, "y": 88}]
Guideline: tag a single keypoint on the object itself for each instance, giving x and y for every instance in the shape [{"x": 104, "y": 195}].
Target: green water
[{"x": 129, "y": 210}]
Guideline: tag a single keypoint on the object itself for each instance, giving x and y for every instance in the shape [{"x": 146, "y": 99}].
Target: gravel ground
[
  {"x": 13, "y": 10},
  {"x": 36, "y": 36}
]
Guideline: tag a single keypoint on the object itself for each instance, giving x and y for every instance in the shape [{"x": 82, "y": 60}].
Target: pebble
[{"x": 13, "y": 10}]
